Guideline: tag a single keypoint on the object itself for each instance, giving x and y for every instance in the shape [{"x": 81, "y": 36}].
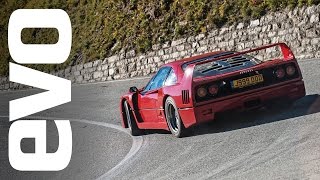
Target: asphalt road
[{"x": 277, "y": 144}]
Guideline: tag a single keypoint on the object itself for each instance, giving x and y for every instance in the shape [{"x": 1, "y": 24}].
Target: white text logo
[{"x": 58, "y": 90}]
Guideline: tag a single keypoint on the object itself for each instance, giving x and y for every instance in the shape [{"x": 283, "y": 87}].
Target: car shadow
[{"x": 309, "y": 104}]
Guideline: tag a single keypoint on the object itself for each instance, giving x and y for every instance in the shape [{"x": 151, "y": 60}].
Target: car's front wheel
[
  {"x": 173, "y": 118},
  {"x": 132, "y": 125}
]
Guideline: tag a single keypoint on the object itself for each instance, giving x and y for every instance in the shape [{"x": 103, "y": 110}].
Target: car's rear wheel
[
  {"x": 132, "y": 125},
  {"x": 173, "y": 118}
]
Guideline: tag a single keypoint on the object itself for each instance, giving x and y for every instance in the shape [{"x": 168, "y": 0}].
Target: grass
[{"x": 102, "y": 28}]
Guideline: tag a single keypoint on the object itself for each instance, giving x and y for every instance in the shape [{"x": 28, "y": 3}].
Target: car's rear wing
[
  {"x": 286, "y": 52},
  {"x": 187, "y": 80}
]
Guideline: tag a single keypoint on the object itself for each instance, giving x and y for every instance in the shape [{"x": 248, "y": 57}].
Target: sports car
[{"x": 194, "y": 90}]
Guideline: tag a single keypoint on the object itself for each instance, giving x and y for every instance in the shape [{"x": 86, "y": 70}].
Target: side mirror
[{"x": 133, "y": 89}]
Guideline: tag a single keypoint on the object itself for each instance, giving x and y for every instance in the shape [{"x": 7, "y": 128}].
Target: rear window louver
[
  {"x": 185, "y": 96},
  {"x": 225, "y": 64},
  {"x": 206, "y": 58},
  {"x": 236, "y": 60}
]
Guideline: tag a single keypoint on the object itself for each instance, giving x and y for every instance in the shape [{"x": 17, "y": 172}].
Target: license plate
[{"x": 248, "y": 81}]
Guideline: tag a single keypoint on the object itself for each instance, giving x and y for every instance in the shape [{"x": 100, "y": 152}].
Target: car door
[{"x": 148, "y": 98}]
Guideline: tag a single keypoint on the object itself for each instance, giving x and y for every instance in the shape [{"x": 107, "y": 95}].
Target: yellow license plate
[{"x": 248, "y": 81}]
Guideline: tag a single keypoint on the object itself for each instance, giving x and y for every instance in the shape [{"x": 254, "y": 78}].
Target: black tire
[
  {"x": 132, "y": 125},
  {"x": 173, "y": 119}
]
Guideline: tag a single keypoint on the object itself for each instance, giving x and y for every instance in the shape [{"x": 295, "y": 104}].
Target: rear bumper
[{"x": 206, "y": 112}]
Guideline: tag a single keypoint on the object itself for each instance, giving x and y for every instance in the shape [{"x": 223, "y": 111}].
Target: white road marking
[
  {"x": 136, "y": 145},
  {"x": 137, "y": 141}
]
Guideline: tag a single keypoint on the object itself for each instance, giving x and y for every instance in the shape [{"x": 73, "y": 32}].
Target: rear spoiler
[
  {"x": 188, "y": 75},
  {"x": 286, "y": 52}
]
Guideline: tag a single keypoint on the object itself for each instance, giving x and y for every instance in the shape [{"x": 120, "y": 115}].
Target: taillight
[
  {"x": 280, "y": 73},
  {"x": 290, "y": 70},
  {"x": 213, "y": 90},
  {"x": 202, "y": 92}
]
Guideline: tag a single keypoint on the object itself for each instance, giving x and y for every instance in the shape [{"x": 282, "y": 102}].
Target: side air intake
[{"x": 185, "y": 96}]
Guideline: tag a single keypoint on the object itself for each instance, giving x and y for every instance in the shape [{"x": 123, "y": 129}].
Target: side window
[
  {"x": 171, "y": 79},
  {"x": 158, "y": 80}
]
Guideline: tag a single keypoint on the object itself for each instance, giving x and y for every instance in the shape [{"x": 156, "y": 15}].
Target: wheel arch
[
  {"x": 165, "y": 97},
  {"x": 124, "y": 123},
  {"x": 131, "y": 100}
]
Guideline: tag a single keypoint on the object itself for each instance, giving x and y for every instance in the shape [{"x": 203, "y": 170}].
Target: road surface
[{"x": 262, "y": 144}]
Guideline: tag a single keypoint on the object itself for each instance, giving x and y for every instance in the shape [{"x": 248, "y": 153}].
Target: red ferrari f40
[{"x": 190, "y": 91}]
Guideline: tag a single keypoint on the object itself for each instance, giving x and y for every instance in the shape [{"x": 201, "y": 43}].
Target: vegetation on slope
[{"x": 101, "y": 28}]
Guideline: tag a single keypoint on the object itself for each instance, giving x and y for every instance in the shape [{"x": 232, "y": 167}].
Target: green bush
[{"x": 102, "y": 28}]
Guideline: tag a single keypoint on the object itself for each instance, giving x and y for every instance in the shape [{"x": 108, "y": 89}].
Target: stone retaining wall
[{"x": 299, "y": 28}]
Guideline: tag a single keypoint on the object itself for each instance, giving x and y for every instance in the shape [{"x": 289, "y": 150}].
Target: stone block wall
[{"x": 299, "y": 28}]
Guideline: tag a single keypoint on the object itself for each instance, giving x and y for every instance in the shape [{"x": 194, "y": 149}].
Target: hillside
[{"x": 102, "y": 28}]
